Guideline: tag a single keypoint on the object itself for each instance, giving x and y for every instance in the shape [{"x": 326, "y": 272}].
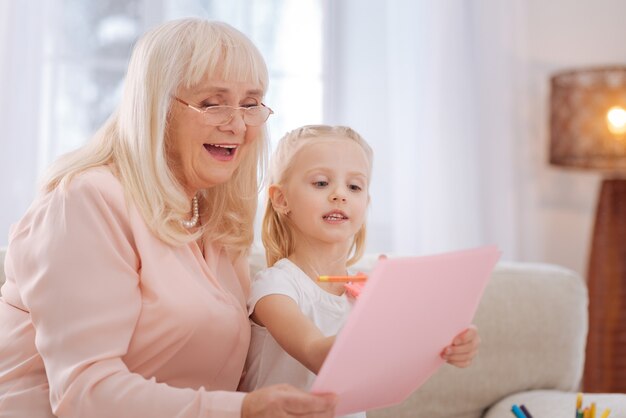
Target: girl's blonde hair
[
  {"x": 133, "y": 140},
  {"x": 277, "y": 231}
]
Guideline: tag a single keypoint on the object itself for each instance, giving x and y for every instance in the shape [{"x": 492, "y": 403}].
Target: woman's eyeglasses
[{"x": 221, "y": 115}]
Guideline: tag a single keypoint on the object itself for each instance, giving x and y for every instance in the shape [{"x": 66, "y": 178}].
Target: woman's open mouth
[{"x": 221, "y": 152}]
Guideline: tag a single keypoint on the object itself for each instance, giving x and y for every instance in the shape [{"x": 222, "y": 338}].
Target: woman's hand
[
  {"x": 280, "y": 401},
  {"x": 463, "y": 349}
]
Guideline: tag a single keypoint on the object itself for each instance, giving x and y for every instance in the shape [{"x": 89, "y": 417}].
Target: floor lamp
[{"x": 588, "y": 131}]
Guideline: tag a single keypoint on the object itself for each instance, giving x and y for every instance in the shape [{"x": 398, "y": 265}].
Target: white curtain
[
  {"x": 21, "y": 58},
  {"x": 432, "y": 85}
]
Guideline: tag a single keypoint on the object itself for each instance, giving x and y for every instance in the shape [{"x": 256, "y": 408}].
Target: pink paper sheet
[{"x": 410, "y": 309}]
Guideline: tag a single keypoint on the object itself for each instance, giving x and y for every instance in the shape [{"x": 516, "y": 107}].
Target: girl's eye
[
  {"x": 355, "y": 188},
  {"x": 320, "y": 183}
]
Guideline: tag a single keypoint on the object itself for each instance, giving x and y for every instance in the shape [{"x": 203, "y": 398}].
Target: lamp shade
[{"x": 588, "y": 118}]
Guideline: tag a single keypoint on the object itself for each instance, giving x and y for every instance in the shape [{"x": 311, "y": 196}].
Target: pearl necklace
[{"x": 195, "y": 217}]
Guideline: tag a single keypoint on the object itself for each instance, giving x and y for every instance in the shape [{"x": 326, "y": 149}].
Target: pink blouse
[{"x": 99, "y": 318}]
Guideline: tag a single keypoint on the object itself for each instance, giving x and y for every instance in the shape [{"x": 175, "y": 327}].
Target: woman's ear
[{"x": 278, "y": 199}]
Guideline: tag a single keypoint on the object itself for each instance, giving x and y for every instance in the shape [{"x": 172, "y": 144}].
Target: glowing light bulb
[{"x": 616, "y": 120}]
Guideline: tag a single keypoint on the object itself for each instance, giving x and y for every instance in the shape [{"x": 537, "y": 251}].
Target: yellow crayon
[
  {"x": 592, "y": 412},
  {"x": 579, "y": 401},
  {"x": 606, "y": 413}
]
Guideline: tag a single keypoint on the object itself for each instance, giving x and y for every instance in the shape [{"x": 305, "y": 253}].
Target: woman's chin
[{"x": 216, "y": 177}]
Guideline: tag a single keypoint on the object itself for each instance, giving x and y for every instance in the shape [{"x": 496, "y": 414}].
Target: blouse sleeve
[{"x": 79, "y": 279}]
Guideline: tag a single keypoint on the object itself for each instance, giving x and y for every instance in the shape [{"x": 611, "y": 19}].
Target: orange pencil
[{"x": 357, "y": 278}]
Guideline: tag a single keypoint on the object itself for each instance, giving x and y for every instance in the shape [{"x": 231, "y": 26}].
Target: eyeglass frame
[{"x": 234, "y": 108}]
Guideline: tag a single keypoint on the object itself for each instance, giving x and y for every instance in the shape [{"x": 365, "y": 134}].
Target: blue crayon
[
  {"x": 525, "y": 410},
  {"x": 518, "y": 412}
]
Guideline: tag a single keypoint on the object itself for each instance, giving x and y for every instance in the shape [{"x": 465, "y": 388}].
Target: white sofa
[{"x": 533, "y": 324}]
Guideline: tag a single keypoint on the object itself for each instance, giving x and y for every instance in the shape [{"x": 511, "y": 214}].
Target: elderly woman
[{"x": 127, "y": 278}]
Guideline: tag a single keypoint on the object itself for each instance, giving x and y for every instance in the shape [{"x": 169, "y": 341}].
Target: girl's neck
[
  {"x": 319, "y": 263},
  {"x": 315, "y": 265}
]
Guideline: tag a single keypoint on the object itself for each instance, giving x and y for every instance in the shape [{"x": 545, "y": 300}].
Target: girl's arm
[{"x": 293, "y": 331}]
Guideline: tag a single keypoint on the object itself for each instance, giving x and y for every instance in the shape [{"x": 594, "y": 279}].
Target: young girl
[{"x": 314, "y": 225}]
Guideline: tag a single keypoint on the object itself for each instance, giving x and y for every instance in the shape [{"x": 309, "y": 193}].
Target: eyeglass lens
[{"x": 252, "y": 116}]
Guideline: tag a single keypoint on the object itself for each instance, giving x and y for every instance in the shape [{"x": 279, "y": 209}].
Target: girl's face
[
  {"x": 202, "y": 155},
  {"x": 326, "y": 191}
]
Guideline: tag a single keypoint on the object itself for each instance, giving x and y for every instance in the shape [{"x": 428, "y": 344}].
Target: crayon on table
[
  {"x": 592, "y": 413},
  {"x": 525, "y": 411},
  {"x": 579, "y": 405},
  {"x": 357, "y": 278},
  {"x": 606, "y": 413},
  {"x": 517, "y": 412}
]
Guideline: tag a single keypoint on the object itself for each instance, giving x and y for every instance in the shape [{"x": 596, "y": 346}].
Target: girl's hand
[
  {"x": 282, "y": 401},
  {"x": 463, "y": 349}
]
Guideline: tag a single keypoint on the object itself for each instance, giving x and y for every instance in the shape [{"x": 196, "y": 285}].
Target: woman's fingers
[
  {"x": 280, "y": 401},
  {"x": 305, "y": 404}
]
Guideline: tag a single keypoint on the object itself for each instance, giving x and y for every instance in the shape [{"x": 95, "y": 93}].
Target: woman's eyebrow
[
  {"x": 222, "y": 90},
  {"x": 254, "y": 92}
]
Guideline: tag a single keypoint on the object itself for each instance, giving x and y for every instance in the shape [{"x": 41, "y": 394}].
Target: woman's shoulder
[
  {"x": 89, "y": 200},
  {"x": 96, "y": 189},
  {"x": 96, "y": 179}
]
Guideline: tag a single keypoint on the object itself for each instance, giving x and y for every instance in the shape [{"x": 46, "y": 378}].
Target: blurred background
[{"x": 453, "y": 95}]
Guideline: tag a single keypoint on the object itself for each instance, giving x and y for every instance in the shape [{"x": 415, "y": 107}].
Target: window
[{"x": 90, "y": 41}]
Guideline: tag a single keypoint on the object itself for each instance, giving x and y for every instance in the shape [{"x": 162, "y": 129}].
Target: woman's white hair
[{"x": 133, "y": 140}]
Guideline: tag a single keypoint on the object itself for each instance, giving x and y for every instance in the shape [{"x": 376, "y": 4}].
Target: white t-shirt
[{"x": 267, "y": 362}]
